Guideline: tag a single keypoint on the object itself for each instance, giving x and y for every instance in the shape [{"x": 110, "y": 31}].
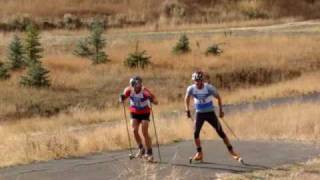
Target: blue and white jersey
[{"x": 203, "y": 97}]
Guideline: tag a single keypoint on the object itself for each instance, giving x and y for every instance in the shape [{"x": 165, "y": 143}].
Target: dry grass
[
  {"x": 305, "y": 84},
  {"x": 160, "y": 12},
  {"x": 297, "y": 121},
  {"x": 309, "y": 170},
  {"x": 59, "y": 7},
  {"x": 76, "y": 83},
  {"x": 53, "y": 138}
]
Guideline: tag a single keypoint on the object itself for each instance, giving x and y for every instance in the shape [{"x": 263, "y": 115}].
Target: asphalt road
[{"x": 258, "y": 155}]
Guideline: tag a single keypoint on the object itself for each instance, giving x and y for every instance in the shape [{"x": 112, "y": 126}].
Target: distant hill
[{"x": 14, "y": 14}]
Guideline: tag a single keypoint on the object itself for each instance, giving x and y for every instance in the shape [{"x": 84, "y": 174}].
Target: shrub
[
  {"x": 214, "y": 50},
  {"x": 137, "y": 60},
  {"x": 182, "y": 45}
]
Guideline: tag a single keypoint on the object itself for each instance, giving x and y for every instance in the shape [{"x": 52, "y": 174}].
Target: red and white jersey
[{"x": 139, "y": 102}]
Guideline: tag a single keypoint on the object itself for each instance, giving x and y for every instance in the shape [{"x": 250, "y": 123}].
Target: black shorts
[
  {"x": 212, "y": 119},
  {"x": 140, "y": 117}
]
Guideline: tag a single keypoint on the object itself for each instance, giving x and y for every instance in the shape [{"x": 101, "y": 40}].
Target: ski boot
[
  {"x": 198, "y": 157},
  {"x": 236, "y": 156},
  {"x": 149, "y": 158},
  {"x": 140, "y": 153}
]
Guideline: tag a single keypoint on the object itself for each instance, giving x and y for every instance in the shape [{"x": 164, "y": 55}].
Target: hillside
[{"x": 74, "y": 14}]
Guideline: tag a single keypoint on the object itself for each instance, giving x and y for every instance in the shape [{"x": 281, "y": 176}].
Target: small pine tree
[
  {"x": 32, "y": 45},
  {"x": 36, "y": 76},
  {"x": 137, "y": 60},
  {"x": 182, "y": 45},
  {"x": 98, "y": 43},
  {"x": 3, "y": 72},
  {"x": 82, "y": 49},
  {"x": 92, "y": 47},
  {"x": 15, "y": 54},
  {"x": 214, "y": 50}
]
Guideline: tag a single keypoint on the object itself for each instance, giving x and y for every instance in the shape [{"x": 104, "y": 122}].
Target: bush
[
  {"x": 214, "y": 50},
  {"x": 82, "y": 49},
  {"x": 92, "y": 46},
  {"x": 182, "y": 45},
  {"x": 137, "y": 60},
  {"x": 255, "y": 14},
  {"x": 36, "y": 76}
]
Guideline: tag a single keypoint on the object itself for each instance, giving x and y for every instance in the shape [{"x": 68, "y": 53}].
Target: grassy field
[
  {"x": 263, "y": 67},
  {"x": 80, "y": 114}
]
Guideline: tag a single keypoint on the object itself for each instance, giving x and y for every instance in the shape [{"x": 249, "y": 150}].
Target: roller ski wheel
[
  {"x": 197, "y": 158},
  {"x": 149, "y": 158},
  {"x": 131, "y": 156},
  {"x": 236, "y": 157}
]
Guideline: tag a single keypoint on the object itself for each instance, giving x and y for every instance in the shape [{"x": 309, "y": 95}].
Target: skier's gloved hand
[
  {"x": 188, "y": 113},
  {"x": 154, "y": 101},
  {"x": 122, "y": 97}
]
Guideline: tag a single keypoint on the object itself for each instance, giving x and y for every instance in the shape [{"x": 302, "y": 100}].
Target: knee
[
  {"x": 145, "y": 132},
  {"x": 135, "y": 130}
]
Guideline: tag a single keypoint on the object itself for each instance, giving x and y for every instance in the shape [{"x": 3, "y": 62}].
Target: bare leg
[
  {"x": 145, "y": 133},
  {"x": 135, "y": 129}
]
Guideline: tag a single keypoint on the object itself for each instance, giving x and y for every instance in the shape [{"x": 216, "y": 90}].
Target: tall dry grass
[
  {"x": 247, "y": 62},
  {"x": 24, "y": 143}
]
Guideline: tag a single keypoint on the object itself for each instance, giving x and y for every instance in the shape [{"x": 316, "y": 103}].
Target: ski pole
[
  {"x": 155, "y": 132},
  {"x": 225, "y": 123},
  {"x": 129, "y": 140}
]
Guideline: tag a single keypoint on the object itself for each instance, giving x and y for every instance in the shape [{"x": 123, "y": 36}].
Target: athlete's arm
[
  {"x": 152, "y": 97},
  {"x": 124, "y": 95},
  {"x": 187, "y": 105},
  {"x": 221, "y": 113}
]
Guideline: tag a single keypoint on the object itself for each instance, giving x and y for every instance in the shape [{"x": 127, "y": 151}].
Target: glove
[
  {"x": 122, "y": 97},
  {"x": 188, "y": 113}
]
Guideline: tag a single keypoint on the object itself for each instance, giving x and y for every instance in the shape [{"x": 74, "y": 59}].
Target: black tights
[{"x": 212, "y": 119}]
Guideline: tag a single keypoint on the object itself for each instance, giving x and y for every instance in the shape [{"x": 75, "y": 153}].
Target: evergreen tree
[
  {"x": 137, "y": 60},
  {"x": 214, "y": 50},
  {"x": 36, "y": 76},
  {"x": 82, "y": 49},
  {"x": 182, "y": 45},
  {"x": 32, "y": 45},
  {"x": 15, "y": 54},
  {"x": 98, "y": 43},
  {"x": 92, "y": 46}
]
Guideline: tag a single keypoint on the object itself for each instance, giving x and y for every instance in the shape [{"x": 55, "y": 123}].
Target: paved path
[{"x": 116, "y": 165}]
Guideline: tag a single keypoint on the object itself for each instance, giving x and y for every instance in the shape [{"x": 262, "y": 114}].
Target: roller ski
[
  {"x": 140, "y": 154},
  {"x": 236, "y": 157},
  {"x": 131, "y": 156},
  {"x": 149, "y": 158},
  {"x": 197, "y": 158}
]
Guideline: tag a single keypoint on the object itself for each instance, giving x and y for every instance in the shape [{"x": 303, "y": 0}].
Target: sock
[
  {"x": 140, "y": 146},
  {"x": 199, "y": 149},
  {"x": 149, "y": 151}
]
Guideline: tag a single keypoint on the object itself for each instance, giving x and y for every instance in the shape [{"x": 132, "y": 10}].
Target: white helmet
[
  {"x": 198, "y": 75},
  {"x": 135, "y": 80}
]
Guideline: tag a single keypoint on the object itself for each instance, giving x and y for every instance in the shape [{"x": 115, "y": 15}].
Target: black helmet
[
  {"x": 198, "y": 75},
  {"x": 135, "y": 80}
]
